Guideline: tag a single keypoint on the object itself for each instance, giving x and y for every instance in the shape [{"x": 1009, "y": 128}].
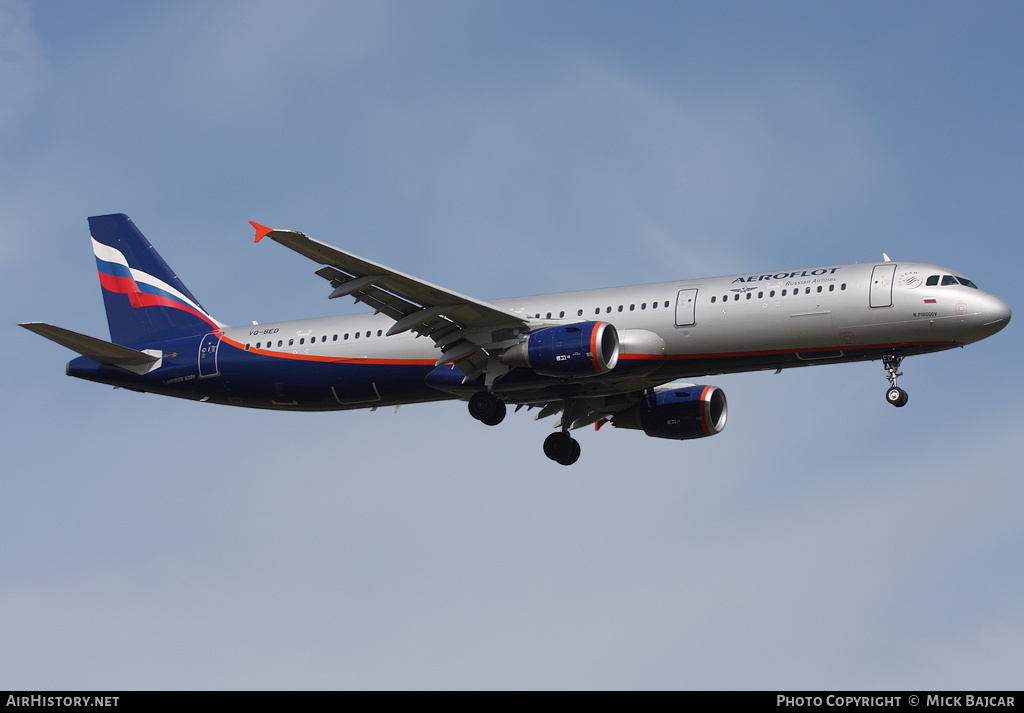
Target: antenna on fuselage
[{"x": 886, "y": 257}]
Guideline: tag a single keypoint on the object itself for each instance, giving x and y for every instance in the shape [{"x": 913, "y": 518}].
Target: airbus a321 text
[{"x": 616, "y": 355}]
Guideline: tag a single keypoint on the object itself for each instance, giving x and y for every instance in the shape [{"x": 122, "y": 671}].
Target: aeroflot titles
[{"x": 788, "y": 275}]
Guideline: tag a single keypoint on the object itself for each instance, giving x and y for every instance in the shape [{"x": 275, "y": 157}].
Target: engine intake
[
  {"x": 581, "y": 349},
  {"x": 680, "y": 413}
]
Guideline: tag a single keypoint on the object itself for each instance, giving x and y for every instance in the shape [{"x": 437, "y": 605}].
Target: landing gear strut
[
  {"x": 894, "y": 394},
  {"x": 487, "y": 408}
]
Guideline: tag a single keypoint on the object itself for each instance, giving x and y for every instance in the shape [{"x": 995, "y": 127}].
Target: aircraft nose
[{"x": 997, "y": 314}]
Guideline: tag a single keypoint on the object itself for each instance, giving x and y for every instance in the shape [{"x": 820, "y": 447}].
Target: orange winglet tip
[
  {"x": 261, "y": 230},
  {"x": 598, "y": 424}
]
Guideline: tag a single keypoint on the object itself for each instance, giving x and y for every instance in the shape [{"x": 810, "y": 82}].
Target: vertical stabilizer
[{"x": 144, "y": 299}]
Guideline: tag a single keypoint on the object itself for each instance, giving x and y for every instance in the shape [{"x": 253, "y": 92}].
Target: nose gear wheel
[{"x": 894, "y": 394}]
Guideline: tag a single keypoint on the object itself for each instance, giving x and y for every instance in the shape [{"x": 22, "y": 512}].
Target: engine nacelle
[
  {"x": 682, "y": 413},
  {"x": 580, "y": 349}
]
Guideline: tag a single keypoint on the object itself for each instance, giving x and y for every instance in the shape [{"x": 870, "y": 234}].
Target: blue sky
[{"x": 824, "y": 540}]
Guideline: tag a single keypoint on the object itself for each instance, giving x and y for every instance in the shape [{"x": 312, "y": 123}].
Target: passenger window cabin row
[
  {"x": 313, "y": 340},
  {"x": 608, "y": 310},
  {"x": 561, "y": 315},
  {"x": 771, "y": 294}
]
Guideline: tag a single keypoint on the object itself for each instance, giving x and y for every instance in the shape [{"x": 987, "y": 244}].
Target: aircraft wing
[{"x": 464, "y": 328}]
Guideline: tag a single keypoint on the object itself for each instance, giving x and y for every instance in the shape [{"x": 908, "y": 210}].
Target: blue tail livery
[
  {"x": 144, "y": 299},
  {"x": 618, "y": 355}
]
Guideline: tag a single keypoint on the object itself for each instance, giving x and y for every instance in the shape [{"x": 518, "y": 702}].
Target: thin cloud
[{"x": 21, "y": 62}]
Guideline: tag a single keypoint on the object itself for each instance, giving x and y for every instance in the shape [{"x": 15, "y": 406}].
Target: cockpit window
[{"x": 948, "y": 280}]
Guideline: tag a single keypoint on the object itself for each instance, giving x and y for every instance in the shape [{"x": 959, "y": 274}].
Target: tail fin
[{"x": 144, "y": 299}]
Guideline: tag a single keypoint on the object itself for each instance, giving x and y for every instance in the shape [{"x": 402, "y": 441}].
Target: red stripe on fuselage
[{"x": 665, "y": 357}]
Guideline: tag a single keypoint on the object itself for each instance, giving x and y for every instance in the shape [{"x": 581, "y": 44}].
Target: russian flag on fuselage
[{"x": 145, "y": 301}]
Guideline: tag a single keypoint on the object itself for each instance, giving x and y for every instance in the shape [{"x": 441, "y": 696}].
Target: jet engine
[
  {"x": 681, "y": 412},
  {"x": 581, "y": 349}
]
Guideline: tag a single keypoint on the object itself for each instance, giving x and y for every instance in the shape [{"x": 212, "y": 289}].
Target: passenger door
[{"x": 881, "y": 285}]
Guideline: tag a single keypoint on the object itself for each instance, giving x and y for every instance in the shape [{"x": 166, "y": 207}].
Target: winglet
[{"x": 261, "y": 230}]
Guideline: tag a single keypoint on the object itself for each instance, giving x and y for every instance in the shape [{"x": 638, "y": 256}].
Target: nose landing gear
[{"x": 894, "y": 394}]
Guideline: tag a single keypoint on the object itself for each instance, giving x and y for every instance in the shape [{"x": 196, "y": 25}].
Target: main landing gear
[
  {"x": 560, "y": 447},
  {"x": 894, "y": 394},
  {"x": 487, "y": 408}
]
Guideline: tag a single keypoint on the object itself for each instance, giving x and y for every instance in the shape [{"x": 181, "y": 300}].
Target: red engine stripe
[
  {"x": 704, "y": 404},
  {"x": 593, "y": 349}
]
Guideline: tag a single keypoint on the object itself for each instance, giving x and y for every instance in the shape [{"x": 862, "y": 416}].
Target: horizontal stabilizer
[{"x": 91, "y": 347}]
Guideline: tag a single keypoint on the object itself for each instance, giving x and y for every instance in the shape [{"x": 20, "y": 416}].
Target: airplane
[{"x": 617, "y": 355}]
